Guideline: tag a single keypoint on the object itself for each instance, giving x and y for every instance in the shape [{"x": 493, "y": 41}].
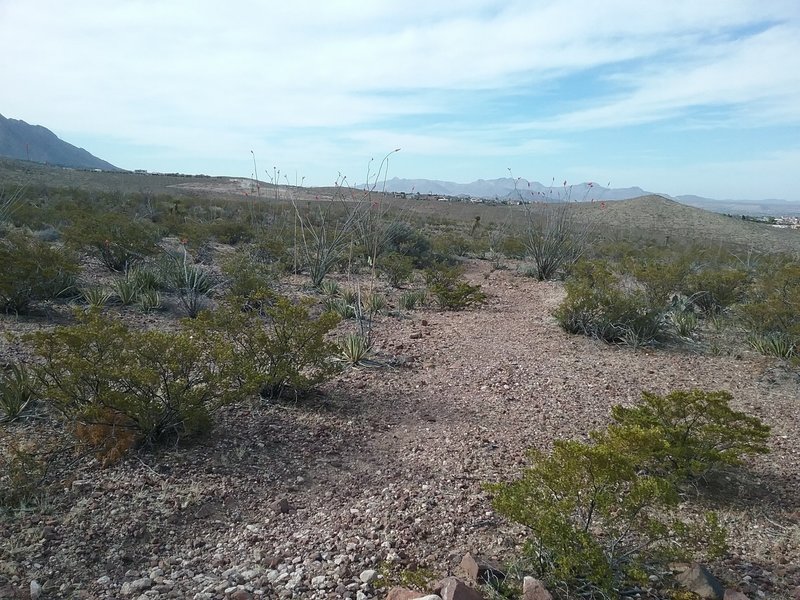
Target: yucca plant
[
  {"x": 773, "y": 344},
  {"x": 96, "y": 297},
  {"x": 16, "y": 392},
  {"x": 410, "y": 300},
  {"x": 685, "y": 322},
  {"x": 349, "y": 295},
  {"x": 341, "y": 307},
  {"x": 355, "y": 348},
  {"x": 126, "y": 290},
  {"x": 329, "y": 288},
  {"x": 191, "y": 283},
  {"x": 146, "y": 279},
  {"x": 374, "y": 303},
  {"x": 148, "y": 300}
]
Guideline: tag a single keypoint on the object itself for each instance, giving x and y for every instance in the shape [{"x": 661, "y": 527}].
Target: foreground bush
[
  {"x": 603, "y": 515},
  {"x": 31, "y": 271},
  {"x": 155, "y": 385}
]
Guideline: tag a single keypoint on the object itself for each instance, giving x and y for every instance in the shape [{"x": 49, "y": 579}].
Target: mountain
[
  {"x": 507, "y": 188},
  {"x": 754, "y": 208},
  {"x": 35, "y": 143}
]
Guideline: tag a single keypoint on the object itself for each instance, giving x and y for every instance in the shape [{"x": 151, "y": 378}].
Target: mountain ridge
[{"x": 35, "y": 143}]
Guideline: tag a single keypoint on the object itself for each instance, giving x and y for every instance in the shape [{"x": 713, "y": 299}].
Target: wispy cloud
[{"x": 207, "y": 80}]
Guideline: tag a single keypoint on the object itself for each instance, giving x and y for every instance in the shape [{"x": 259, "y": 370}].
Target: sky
[{"x": 678, "y": 97}]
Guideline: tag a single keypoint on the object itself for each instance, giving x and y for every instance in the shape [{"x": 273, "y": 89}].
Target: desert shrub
[
  {"x": 397, "y": 268},
  {"x": 409, "y": 241},
  {"x": 661, "y": 274},
  {"x": 279, "y": 348},
  {"x": 450, "y": 290},
  {"x": 21, "y": 473},
  {"x": 512, "y": 246},
  {"x": 452, "y": 243},
  {"x": 714, "y": 288},
  {"x": 230, "y": 232},
  {"x": 115, "y": 239},
  {"x": 248, "y": 279},
  {"x": 601, "y": 303},
  {"x": 32, "y": 271},
  {"x": 17, "y": 392},
  {"x": 772, "y": 311},
  {"x": 603, "y": 515},
  {"x": 554, "y": 239},
  {"x": 699, "y": 432},
  {"x": 158, "y": 385}
]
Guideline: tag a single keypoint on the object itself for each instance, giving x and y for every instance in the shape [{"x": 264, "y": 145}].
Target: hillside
[{"x": 35, "y": 143}]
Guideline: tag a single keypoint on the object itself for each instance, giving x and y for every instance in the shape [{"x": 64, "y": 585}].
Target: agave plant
[
  {"x": 96, "y": 297},
  {"x": 773, "y": 344},
  {"x": 355, "y": 348},
  {"x": 16, "y": 392}
]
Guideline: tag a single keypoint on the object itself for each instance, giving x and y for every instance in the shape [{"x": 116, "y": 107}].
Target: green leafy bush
[
  {"x": 600, "y": 303},
  {"x": 118, "y": 241},
  {"x": 248, "y": 279},
  {"x": 772, "y": 311},
  {"x": 397, "y": 268},
  {"x": 32, "y": 271},
  {"x": 714, "y": 288},
  {"x": 603, "y": 515},
  {"x": 450, "y": 290},
  {"x": 280, "y": 347},
  {"x": 699, "y": 430},
  {"x": 159, "y": 385}
]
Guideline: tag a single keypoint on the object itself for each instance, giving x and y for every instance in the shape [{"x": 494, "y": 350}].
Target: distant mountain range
[
  {"x": 506, "y": 188},
  {"x": 35, "y": 143}
]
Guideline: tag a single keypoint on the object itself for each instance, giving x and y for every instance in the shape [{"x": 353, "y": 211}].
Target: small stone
[
  {"x": 241, "y": 595},
  {"x": 698, "y": 580},
  {"x": 36, "y": 590},
  {"x": 136, "y": 586},
  {"x": 368, "y": 576},
  {"x": 416, "y": 336},
  {"x": 104, "y": 580},
  {"x": 280, "y": 507},
  {"x": 533, "y": 589},
  {"x": 734, "y": 595},
  {"x": 318, "y": 581}
]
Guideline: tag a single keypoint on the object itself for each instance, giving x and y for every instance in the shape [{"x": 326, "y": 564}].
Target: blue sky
[{"x": 679, "y": 97}]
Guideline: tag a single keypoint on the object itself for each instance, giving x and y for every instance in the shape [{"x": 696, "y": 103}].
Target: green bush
[
  {"x": 32, "y": 271},
  {"x": 248, "y": 279},
  {"x": 772, "y": 310},
  {"x": 600, "y": 303},
  {"x": 700, "y": 432},
  {"x": 603, "y": 515},
  {"x": 280, "y": 347},
  {"x": 158, "y": 385},
  {"x": 407, "y": 240},
  {"x": 450, "y": 290},
  {"x": 115, "y": 239},
  {"x": 715, "y": 288},
  {"x": 397, "y": 268}
]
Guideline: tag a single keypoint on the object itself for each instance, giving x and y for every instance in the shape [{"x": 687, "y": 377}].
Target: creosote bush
[
  {"x": 118, "y": 241},
  {"x": 450, "y": 290},
  {"x": 157, "y": 385},
  {"x": 603, "y": 514},
  {"x": 32, "y": 271},
  {"x": 278, "y": 348}
]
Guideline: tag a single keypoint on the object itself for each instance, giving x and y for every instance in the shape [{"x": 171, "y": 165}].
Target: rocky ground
[{"x": 381, "y": 475}]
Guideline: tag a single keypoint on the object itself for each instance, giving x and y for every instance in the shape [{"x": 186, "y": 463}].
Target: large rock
[
  {"x": 452, "y": 588},
  {"x": 482, "y": 570},
  {"x": 698, "y": 580},
  {"x": 402, "y": 593},
  {"x": 533, "y": 589}
]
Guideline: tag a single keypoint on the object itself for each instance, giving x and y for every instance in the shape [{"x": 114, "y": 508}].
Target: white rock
[
  {"x": 104, "y": 580},
  {"x": 368, "y": 576},
  {"x": 36, "y": 590}
]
